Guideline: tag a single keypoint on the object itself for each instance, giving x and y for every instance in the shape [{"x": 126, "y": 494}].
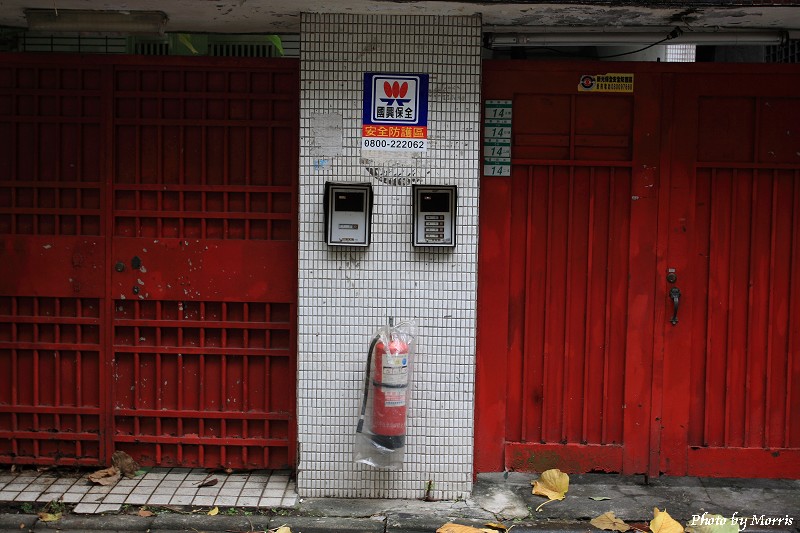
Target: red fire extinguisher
[{"x": 390, "y": 382}]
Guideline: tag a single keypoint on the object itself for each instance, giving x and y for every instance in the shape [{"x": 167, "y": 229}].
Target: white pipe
[{"x": 569, "y": 38}]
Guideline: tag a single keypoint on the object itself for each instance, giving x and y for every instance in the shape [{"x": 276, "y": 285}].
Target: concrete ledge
[
  {"x": 17, "y": 522},
  {"x": 109, "y": 522},
  {"x": 309, "y": 524}
]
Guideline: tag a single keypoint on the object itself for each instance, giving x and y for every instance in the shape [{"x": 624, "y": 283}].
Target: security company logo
[
  {"x": 606, "y": 83},
  {"x": 395, "y": 107}
]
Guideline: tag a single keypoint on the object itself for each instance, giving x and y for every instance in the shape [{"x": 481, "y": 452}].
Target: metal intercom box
[
  {"x": 434, "y": 220},
  {"x": 348, "y": 213}
]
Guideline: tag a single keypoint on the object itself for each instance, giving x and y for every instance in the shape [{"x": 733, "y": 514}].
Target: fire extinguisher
[{"x": 390, "y": 395}]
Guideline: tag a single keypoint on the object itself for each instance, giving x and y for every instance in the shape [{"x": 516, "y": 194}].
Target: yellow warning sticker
[{"x": 613, "y": 82}]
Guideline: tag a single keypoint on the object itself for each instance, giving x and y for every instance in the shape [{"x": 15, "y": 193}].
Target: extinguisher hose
[{"x": 360, "y": 427}]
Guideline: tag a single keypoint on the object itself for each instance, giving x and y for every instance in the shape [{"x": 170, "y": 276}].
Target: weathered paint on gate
[{"x": 149, "y": 255}]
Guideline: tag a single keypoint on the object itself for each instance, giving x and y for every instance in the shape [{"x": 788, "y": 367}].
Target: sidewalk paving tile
[
  {"x": 270, "y": 502},
  {"x": 159, "y": 499},
  {"x": 49, "y": 497},
  {"x": 115, "y": 498},
  {"x": 247, "y": 501},
  {"x": 204, "y": 500},
  {"x": 86, "y": 508},
  {"x": 108, "y": 508},
  {"x": 182, "y": 499},
  {"x": 289, "y": 501},
  {"x": 227, "y": 501},
  {"x": 71, "y": 497},
  {"x": 158, "y": 486},
  {"x": 137, "y": 499}
]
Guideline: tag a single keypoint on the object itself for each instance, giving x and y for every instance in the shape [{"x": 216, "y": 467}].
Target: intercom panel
[
  {"x": 434, "y": 212},
  {"x": 348, "y": 213}
]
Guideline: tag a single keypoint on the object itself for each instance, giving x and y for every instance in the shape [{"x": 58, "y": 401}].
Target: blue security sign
[{"x": 395, "y": 115}]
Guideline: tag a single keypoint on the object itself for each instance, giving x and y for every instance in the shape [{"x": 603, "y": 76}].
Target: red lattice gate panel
[
  {"x": 173, "y": 338},
  {"x": 52, "y": 252}
]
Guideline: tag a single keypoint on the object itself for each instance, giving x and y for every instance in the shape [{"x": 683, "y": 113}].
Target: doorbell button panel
[
  {"x": 348, "y": 213},
  {"x": 434, "y": 215}
]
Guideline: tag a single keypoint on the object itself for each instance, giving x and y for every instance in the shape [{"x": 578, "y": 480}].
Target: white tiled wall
[{"x": 347, "y": 293}]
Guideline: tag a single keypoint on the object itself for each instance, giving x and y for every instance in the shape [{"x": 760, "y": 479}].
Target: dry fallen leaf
[
  {"x": 552, "y": 483},
  {"x": 609, "y": 522},
  {"x": 124, "y": 463},
  {"x": 599, "y": 498},
  {"x": 213, "y": 512},
  {"x": 49, "y": 517},
  {"x": 145, "y": 513},
  {"x": 496, "y": 526},
  {"x": 209, "y": 483},
  {"x": 712, "y": 523},
  {"x": 106, "y": 476},
  {"x": 663, "y": 523},
  {"x": 283, "y": 529}
]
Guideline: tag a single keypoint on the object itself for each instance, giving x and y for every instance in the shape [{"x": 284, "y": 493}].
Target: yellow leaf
[
  {"x": 711, "y": 523},
  {"x": 213, "y": 512},
  {"x": 283, "y": 529},
  {"x": 186, "y": 40},
  {"x": 552, "y": 483},
  {"x": 609, "y": 522},
  {"x": 49, "y": 517},
  {"x": 663, "y": 523},
  {"x": 496, "y": 526}
]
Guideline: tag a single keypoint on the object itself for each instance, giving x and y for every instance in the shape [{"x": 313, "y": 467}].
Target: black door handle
[{"x": 675, "y": 294}]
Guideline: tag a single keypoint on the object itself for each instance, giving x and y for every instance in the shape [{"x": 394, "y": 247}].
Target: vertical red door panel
[
  {"x": 734, "y": 239},
  {"x": 570, "y": 268},
  {"x": 52, "y": 256},
  {"x": 696, "y": 173},
  {"x": 148, "y": 293},
  {"x": 204, "y": 248}
]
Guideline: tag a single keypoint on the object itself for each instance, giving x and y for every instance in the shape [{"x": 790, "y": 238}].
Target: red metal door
[
  {"x": 204, "y": 226},
  {"x": 731, "y": 367},
  {"x": 52, "y": 255},
  {"x": 180, "y": 332},
  {"x": 574, "y": 391},
  {"x": 579, "y": 366}
]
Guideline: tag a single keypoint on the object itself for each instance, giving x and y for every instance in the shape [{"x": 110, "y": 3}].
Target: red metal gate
[
  {"x": 607, "y": 194},
  {"x": 181, "y": 345},
  {"x": 52, "y": 291},
  {"x": 731, "y": 232}
]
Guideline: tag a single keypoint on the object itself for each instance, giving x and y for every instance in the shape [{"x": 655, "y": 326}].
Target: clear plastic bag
[{"x": 381, "y": 430}]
